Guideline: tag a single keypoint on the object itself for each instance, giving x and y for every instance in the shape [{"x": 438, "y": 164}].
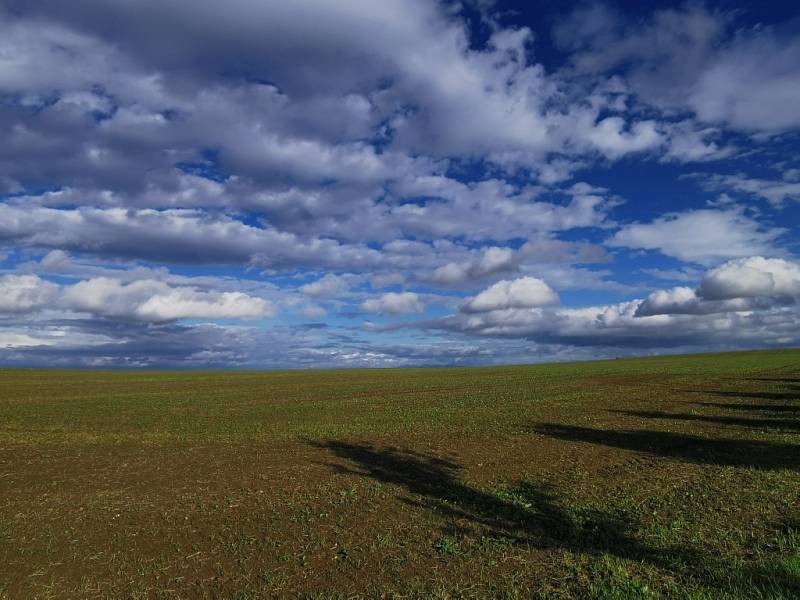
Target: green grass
[
  {"x": 149, "y": 406},
  {"x": 667, "y": 477}
]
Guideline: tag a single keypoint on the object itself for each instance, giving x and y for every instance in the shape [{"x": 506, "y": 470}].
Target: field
[{"x": 673, "y": 477}]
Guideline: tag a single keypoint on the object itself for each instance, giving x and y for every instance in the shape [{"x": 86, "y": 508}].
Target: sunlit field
[{"x": 674, "y": 477}]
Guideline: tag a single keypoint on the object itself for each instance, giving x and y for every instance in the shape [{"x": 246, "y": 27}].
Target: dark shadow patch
[
  {"x": 688, "y": 448},
  {"x": 783, "y": 396},
  {"x": 773, "y": 408},
  {"x": 534, "y": 516},
  {"x": 526, "y": 513},
  {"x": 791, "y": 424}
]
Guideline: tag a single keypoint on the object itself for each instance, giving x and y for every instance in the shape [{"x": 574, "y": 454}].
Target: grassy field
[{"x": 675, "y": 477}]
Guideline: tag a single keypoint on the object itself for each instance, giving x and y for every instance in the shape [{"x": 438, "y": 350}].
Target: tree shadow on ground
[
  {"x": 784, "y": 396},
  {"x": 792, "y": 424},
  {"x": 774, "y": 408},
  {"x": 690, "y": 448},
  {"x": 531, "y": 515},
  {"x": 527, "y": 514}
]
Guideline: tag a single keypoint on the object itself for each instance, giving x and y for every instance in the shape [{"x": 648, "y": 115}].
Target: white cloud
[
  {"x": 610, "y": 137},
  {"x": 685, "y": 301},
  {"x": 702, "y": 236},
  {"x": 10, "y": 339},
  {"x": 55, "y": 260},
  {"x": 752, "y": 277},
  {"x": 25, "y": 293},
  {"x": 488, "y": 210},
  {"x": 525, "y": 292},
  {"x": 742, "y": 285},
  {"x": 328, "y": 286},
  {"x": 622, "y": 326},
  {"x": 774, "y": 191},
  {"x": 175, "y": 235},
  {"x": 752, "y": 84},
  {"x": 740, "y": 306},
  {"x": 198, "y": 237},
  {"x": 659, "y": 55},
  {"x": 150, "y": 300},
  {"x": 693, "y": 58},
  {"x": 494, "y": 260},
  {"x": 394, "y": 303},
  {"x": 689, "y": 143},
  {"x": 667, "y": 301}
]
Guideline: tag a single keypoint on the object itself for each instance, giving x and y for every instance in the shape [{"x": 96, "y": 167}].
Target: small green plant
[{"x": 446, "y": 546}]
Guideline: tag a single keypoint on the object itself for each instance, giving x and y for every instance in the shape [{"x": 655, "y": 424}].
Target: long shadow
[
  {"x": 532, "y": 515},
  {"x": 774, "y": 408},
  {"x": 689, "y": 448},
  {"x": 784, "y": 396},
  {"x": 793, "y": 424},
  {"x": 529, "y": 514}
]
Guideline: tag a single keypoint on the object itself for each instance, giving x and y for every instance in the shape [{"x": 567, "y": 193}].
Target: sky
[{"x": 350, "y": 183}]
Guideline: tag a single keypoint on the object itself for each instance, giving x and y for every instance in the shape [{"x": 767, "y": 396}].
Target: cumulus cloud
[
  {"x": 701, "y": 236},
  {"x": 751, "y": 277},
  {"x": 733, "y": 304},
  {"x": 394, "y": 303},
  {"x": 25, "y": 293},
  {"x": 525, "y": 292},
  {"x": 685, "y": 301},
  {"x": 619, "y": 326},
  {"x": 679, "y": 299},
  {"x": 753, "y": 283},
  {"x": 150, "y": 300},
  {"x": 609, "y": 136},
  {"x": 141, "y": 299}
]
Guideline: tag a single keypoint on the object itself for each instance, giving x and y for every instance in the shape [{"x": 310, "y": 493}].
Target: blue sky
[{"x": 256, "y": 184}]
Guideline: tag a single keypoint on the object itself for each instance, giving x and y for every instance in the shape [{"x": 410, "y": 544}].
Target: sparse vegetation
[{"x": 674, "y": 477}]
